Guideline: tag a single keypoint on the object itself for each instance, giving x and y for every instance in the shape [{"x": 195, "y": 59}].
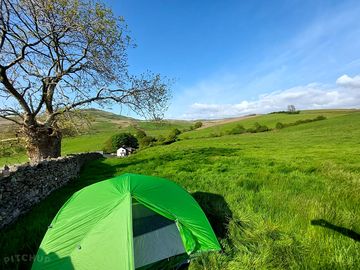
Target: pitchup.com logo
[{"x": 17, "y": 258}]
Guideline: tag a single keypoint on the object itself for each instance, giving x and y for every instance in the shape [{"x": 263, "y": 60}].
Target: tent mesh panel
[{"x": 157, "y": 241}]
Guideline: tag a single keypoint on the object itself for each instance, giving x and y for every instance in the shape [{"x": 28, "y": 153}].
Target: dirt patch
[
  {"x": 123, "y": 123},
  {"x": 4, "y": 122},
  {"x": 216, "y": 122}
]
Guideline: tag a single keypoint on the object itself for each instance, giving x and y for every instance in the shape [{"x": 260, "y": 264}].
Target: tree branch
[
  {"x": 9, "y": 115},
  {"x": 10, "y": 88}
]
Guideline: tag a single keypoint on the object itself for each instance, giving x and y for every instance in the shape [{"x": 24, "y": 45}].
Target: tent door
[{"x": 155, "y": 237}]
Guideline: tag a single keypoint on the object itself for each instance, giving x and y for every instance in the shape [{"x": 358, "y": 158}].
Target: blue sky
[{"x": 232, "y": 58}]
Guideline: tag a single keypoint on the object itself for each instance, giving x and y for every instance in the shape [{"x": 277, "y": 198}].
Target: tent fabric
[{"x": 94, "y": 228}]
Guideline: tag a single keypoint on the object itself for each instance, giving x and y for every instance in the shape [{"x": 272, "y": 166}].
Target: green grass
[
  {"x": 103, "y": 126},
  {"x": 269, "y": 120},
  {"x": 156, "y": 129},
  {"x": 260, "y": 191}
]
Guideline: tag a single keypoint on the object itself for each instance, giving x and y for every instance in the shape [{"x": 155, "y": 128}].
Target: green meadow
[
  {"x": 102, "y": 125},
  {"x": 269, "y": 120},
  {"x": 282, "y": 199}
]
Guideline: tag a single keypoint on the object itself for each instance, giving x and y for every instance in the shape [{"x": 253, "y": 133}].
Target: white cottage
[
  {"x": 124, "y": 151},
  {"x": 121, "y": 152}
]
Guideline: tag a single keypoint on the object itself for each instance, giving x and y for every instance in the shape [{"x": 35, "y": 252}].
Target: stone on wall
[{"x": 22, "y": 186}]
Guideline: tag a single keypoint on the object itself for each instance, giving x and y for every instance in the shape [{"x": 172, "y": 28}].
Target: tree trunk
[{"x": 42, "y": 142}]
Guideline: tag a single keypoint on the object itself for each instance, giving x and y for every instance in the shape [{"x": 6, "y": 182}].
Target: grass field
[
  {"x": 269, "y": 120},
  {"x": 103, "y": 126},
  {"x": 284, "y": 199}
]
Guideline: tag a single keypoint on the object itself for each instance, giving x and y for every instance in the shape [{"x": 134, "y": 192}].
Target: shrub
[
  {"x": 320, "y": 117},
  {"x": 279, "y": 125},
  {"x": 198, "y": 124},
  {"x": 260, "y": 128},
  {"x": 176, "y": 131},
  {"x": 147, "y": 141},
  {"x": 238, "y": 129},
  {"x": 140, "y": 134},
  {"x": 172, "y": 137},
  {"x": 117, "y": 140},
  {"x": 285, "y": 112},
  {"x": 7, "y": 149},
  {"x": 161, "y": 138},
  {"x": 214, "y": 135}
]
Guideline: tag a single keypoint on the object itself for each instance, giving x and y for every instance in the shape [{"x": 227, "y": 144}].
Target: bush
[
  {"x": 238, "y": 129},
  {"x": 176, "y": 131},
  {"x": 280, "y": 125},
  {"x": 285, "y": 112},
  {"x": 214, "y": 135},
  {"x": 251, "y": 130},
  {"x": 320, "y": 117},
  {"x": 118, "y": 140},
  {"x": 172, "y": 137},
  {"x": 198, "y": 125},
  {"x": 260, "y": 128},
  {"x": 160, "y": 139},
  {"x": 140, "y": 134},
  {"x": 147, "y": 141},
  {"x": 8, "y": 149}
]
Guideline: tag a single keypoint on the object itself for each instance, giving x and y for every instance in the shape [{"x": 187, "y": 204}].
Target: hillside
[
  {"x": 98, "y": 127},
  {"x": 269, "y": 120},
  {"x": 284, "y": 199}
]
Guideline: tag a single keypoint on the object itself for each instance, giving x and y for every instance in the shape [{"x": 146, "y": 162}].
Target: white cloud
[
  {"x": 311, "y": 96},
  {"x": 347, "y": 81}
]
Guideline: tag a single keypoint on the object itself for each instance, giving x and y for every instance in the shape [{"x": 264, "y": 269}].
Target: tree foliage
[
  {"x": 118, "y": 140},
  {"x": 59, "y": 55},
  {"x": 291, "y": 108}
]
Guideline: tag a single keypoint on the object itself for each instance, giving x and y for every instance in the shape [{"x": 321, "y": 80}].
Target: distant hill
[
  {"x": 105, "y": 114},
  {"x": 92, "y": 130},
  {"x": 104, "y": 124},
  {"x": 218, "y": 127}
]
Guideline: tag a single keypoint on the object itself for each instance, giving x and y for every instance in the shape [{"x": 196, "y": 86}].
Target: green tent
[{"x": 127, "y": 222}]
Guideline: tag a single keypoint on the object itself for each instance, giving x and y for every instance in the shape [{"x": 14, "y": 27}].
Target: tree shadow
[
  {"x": 217, "y": 211},
  {"x": 95, "y": 171},
  {"x": 344, "y": 231}
]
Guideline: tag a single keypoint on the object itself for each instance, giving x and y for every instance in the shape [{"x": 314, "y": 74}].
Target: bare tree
[
  {"x": 59, "y": 55},
  {"x": 291, "y": 108}
]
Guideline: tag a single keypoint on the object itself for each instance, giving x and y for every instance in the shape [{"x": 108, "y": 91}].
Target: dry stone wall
[{"x": 22, "y": 186}]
